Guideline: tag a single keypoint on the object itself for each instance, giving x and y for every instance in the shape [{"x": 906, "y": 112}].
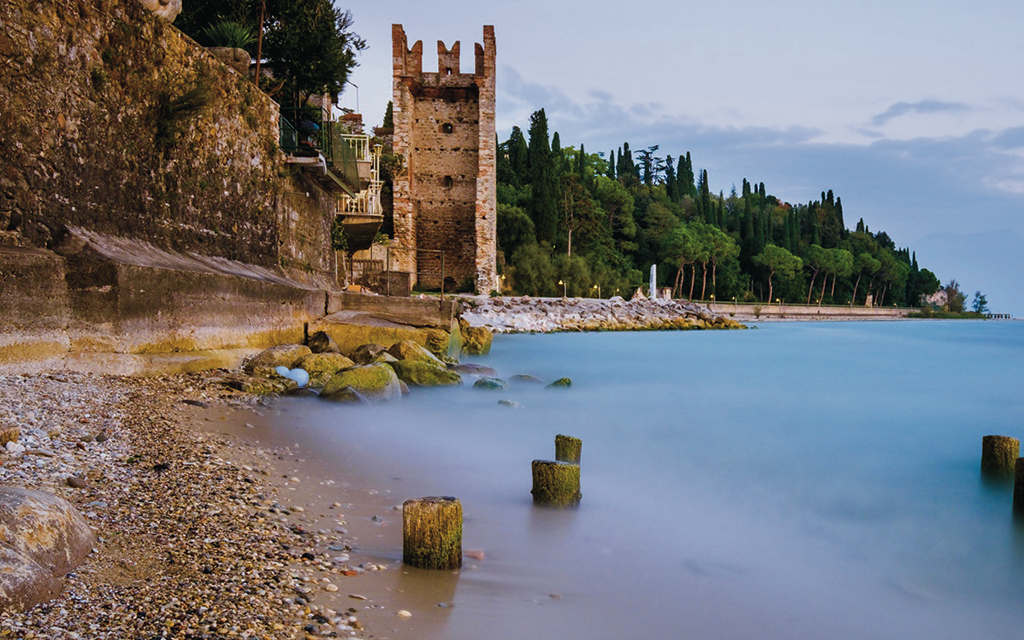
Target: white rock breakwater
[{"x": 544, "y": 315}]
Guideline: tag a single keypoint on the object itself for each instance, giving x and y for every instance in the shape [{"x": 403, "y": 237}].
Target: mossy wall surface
[{"x": 116, "y": 122}]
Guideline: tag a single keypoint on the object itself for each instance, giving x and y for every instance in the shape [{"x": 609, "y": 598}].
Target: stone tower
[{"x": 445, "y": 199}]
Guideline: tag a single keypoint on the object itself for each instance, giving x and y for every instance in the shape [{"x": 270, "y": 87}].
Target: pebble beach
[{"x": 199, "y": 535}]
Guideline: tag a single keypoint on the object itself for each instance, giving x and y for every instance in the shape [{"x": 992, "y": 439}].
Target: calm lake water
[{"x": 790, "y": 481}]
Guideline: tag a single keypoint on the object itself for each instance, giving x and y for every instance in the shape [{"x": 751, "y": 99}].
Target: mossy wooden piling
[
  {"x": 556, "y": 483},
  {"x": 568, "y": 449},
  {"x": 1018, "y": 488},
  {"x": 999, "y": 455},
  {"x": 432, "y": 533}
]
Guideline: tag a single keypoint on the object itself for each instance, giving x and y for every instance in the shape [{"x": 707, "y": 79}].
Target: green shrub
[{"x": 229, "y": 34}]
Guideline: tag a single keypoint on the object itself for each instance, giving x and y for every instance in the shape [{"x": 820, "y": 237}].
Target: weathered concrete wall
[
  {"x": 114, "y": 306},
  {"x": 147, "y": 219},
  {"x": 116, "y": 122},
  {"x": 445, "y": 199}
]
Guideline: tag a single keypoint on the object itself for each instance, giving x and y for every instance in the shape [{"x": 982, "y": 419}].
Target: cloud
[
  {"x": 924, "y": 107},
  {"x": 911, "y": 188}
]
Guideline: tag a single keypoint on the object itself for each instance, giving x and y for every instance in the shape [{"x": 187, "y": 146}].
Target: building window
[
  {"x": 447, "y": 71},
  {"x": 448, "y": 182},
  {"x": 447, "y": 127}
]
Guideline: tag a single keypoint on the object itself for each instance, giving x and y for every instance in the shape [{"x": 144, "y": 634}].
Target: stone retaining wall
[
  {"x": 804, "y": 312},
  {"x": 115, "y": 122}
]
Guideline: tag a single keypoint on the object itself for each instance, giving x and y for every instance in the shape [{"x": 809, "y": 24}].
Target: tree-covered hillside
[{"x": 597, "y": 222}]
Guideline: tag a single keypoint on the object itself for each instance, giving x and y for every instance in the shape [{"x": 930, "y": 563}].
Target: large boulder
[
  {"x": 42, "y": 537},
  {"x": 285, "y": 355},
  {"x": 367, "y": 353},
  {"x": 422, "y": 373},
  {"x": 473, "y": 369},
  {"x": 475, "y": 340},
  {"x": 410, "y": 350},
  {"x": 321, "y": 342},
  {"x": 375, "y": 382},
  {"x": 490, "y": 384},
  {"x": 321, "y": 367}
]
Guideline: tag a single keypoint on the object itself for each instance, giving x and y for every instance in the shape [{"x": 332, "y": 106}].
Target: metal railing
[{"x": 306, "y": 131}]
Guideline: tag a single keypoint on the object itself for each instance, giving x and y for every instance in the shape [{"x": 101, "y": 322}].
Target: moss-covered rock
[
  {"x": 321, "y": 367},
  {"x": 409, "y": 350},
  {"x": 490, "y": 384},
  {"x": 421, "y": 373},
  {"x": 284, "y": 355},
  {"x": 525, "y": 377},
  {"x": 475, "y": 340},
  {"x": 438, "y": 342},
  {"x": 561, "y": 383},
  {"x": 375, "y": 382}
]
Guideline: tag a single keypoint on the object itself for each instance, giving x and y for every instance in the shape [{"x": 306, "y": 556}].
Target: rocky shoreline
[
  {"x": 544, "y": 315},
  {"x": 191, "y": 541}
]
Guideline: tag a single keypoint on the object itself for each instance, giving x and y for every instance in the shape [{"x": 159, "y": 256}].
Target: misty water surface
[{"x": 790, "y": 481}]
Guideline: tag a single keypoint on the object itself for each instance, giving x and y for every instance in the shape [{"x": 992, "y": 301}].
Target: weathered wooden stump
[
  {"x": 1018, "y": 489},
  {"x": 567, "y": 449},
  {"x": 556, "y": 483},
  {"x": 999, "y": 455},
  {"x": 432, "y": 533}
]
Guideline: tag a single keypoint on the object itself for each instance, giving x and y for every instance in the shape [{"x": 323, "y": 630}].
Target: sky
[{"x": 911, "y": 111}]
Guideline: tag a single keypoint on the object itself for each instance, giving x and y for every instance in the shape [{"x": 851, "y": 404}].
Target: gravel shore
[{"x": 193, "y": 541}]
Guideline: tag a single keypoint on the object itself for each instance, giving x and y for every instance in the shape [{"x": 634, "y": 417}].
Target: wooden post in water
[
  {"x": 432, "y": 533},
  {"x": 1018, "y": 489},
  {"x": 556, "y": 484},
  {"x": 567, "y": 449},
  {"x": 998, "y": 455}
]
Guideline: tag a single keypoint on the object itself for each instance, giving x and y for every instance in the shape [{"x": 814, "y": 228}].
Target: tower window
[
  {"x": 448, "y": 182},
  {"x": 447, "y": 127},
  {"x": 447, "y": 71}
]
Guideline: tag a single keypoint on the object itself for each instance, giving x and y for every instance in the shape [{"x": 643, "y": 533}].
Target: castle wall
[{"x": 445, "y": 198}]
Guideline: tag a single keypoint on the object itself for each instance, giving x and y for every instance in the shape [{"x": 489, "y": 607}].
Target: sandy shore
[{"x": 203, "y": 532}]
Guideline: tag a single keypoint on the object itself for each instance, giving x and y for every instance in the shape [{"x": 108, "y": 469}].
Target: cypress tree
[
  {"x": 543, "y": 204},
  {"x": 705, "y": 198},
  {"x": 518, "y": 156},
  {"x": 681, "y": 176},
  {"x": 691, "y": 188},
  {"x": 671, "y": 185},
  {"x": 557, "y": 159}
]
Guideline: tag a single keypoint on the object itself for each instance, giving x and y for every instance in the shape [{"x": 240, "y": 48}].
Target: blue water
[{"x": 790, "y": 481}]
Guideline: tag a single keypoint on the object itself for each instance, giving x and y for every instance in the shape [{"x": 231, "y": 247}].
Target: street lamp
[
  {"x": 562, "y": 282},
  {"x": 598, "y": 287}
]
